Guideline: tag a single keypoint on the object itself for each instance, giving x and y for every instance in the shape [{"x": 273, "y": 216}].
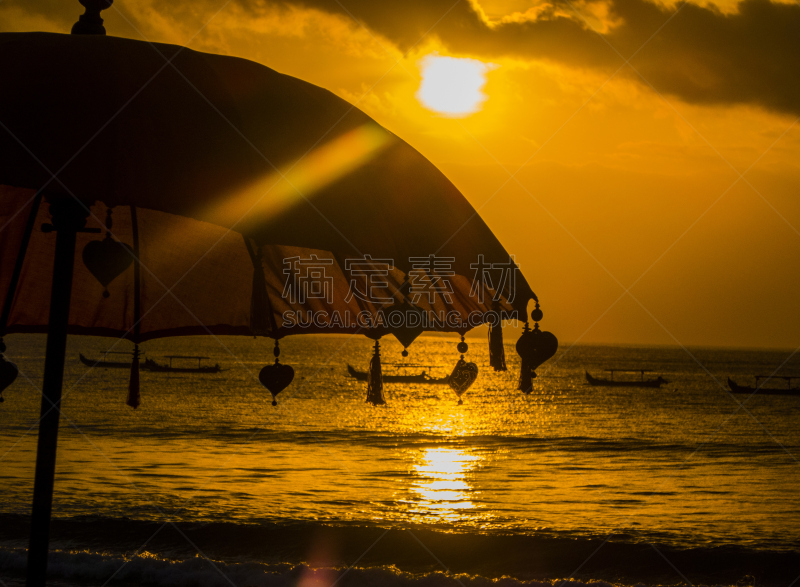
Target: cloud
[
  {"x": 702, "y": 55},
  {"x": 697, "y": 53}
]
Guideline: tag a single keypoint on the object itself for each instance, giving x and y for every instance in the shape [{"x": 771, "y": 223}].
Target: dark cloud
[{"x": 701, "y": 55}]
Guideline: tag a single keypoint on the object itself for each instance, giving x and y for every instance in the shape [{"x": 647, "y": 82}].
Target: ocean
[{"x": 208, "y": 484}]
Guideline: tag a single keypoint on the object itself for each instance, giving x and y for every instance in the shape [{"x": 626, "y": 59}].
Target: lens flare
[{"x": 279, "y": 190}]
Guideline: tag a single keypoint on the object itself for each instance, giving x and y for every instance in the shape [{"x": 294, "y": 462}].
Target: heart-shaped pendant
[
  {"x": 276, "y": 378},
  {"x": 536, "y": 346},
  {"x": 106, "y": 259},
  {"x": 545, "y": 346},
  {"x": 463, "y": 376}
]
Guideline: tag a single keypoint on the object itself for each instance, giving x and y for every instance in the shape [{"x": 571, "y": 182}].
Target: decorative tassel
[
  {"x": 525, "y": 349},
  {"x": 497, "y": 353},
  {"x": 526, "y": 376},
  {"x": 374, "y": 380},
  {"x": 133, "y": 386}
]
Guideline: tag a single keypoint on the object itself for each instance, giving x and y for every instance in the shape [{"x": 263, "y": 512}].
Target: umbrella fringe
[
  {"x": 261, "y": 319},
  {"x": 375, "y": 379}
]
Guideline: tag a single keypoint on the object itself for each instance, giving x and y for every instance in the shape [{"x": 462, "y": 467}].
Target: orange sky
[{"x": 653, "y": 201}]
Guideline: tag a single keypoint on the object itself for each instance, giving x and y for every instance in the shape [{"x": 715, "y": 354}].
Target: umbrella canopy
[
  {"x": 234, "y": 200},
  {"x": 228, "y": 162}
]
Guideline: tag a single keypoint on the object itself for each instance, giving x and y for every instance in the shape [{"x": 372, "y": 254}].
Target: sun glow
[{"x": 451, "y": 86}]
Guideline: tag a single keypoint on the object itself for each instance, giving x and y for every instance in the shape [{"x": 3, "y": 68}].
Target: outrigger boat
[
  {"x": 596, "y": 381},
  {"x": 421, "y": 378},
  {"x": 151, "y": 365},
  {"x": 105, "y": 364},
  {"x": 788, "y": 390}
]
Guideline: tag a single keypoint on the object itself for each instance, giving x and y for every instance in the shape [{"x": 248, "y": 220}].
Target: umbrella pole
[{"x": 69, "y": 218}]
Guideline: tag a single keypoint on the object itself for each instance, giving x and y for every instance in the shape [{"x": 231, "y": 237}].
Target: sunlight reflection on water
[{"x": 441, "y": 490}]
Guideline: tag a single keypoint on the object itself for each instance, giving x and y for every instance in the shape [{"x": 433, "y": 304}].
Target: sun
[{"x": 452, "y": 86}]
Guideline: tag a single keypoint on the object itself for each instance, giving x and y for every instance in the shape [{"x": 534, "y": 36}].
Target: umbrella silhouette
[{"x": 211, "y": 195}]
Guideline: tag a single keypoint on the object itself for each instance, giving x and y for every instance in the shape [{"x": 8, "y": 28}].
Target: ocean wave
[
  {"x": 94, "y": 548},
  {"x": 147, "y": 569},
  {"x": 491, "y": 442}
]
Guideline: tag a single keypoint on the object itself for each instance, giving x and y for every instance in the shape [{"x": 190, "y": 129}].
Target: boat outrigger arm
[
  {"x": 640, "y": 371},
  {"x": 170, "y": 357},
  {"x": 786, "y": 378},
  {"x": 759, "y": 388},
  {"x": 621, "y": 383}
]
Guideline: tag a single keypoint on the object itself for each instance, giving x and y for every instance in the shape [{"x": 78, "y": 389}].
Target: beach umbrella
[{"x": 211, "y": 195}]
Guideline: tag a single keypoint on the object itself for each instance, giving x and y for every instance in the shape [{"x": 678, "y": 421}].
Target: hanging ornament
[
  {"x": 133, "y": 385},
  {"x": 534, "y": 347},
  {"x": 8, "y": 370},
  {"x": 464, "y": 374},
  {"x": 107, "y": 258},
  {"x": 276, "y": 377},
  {"x": 405, "y": 321},
  {"x": 525, "y": 346},
  {"x": 375, "y": 379}
]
